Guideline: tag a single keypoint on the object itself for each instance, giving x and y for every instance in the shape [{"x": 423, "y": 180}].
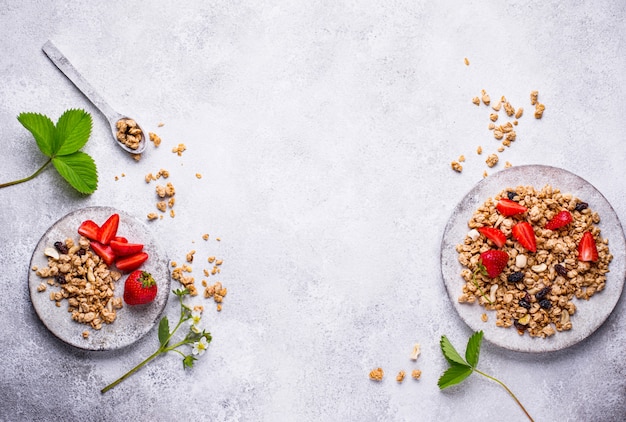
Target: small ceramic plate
[
  {"x": 590, "y": 314},
  {"x": 132, "y": 322}
]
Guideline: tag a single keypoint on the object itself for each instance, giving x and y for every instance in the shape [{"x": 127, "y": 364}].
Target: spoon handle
[{"x": 77, "y": 79}]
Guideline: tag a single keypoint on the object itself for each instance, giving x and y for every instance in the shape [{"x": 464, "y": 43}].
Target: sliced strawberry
[
  {"x": 562, "y": 219},
  {"x": 523, "y": 232},
  {"x": 103, "y": 251},
  {"x": 494, "y": 261},
  {"x": 131, "y": 262},
  {"x": 89, "y": 229},
  {"x": 507, "y": 208},
  {"x": 587, "y": 250},
  {"x": 125, "y": 248},
  {"x": 120, "y": 239},
  {"x": 109, "y": 229},
  {"x": 493, "y": 234}
]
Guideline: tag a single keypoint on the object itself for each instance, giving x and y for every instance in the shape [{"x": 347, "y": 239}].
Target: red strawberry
[
  {"x": 108, "y": 229},
  {"x": 131, "y": 262},
  {"x": 562, "y": 219},
  {"x": 508, "y": 207},
  {"x": 125, "y": 248},
  {"x": 587, "y": 250},
  {"x": 89, "y": 229},
  {"x": 120, "y": 239},
  {"x": 493, "y": 234},
  {"x": 139, "y": 288},
  {"x": 103, "y": 251},
  {"x": 523, "y": 232},
  {"x": 494, "y": 261}
]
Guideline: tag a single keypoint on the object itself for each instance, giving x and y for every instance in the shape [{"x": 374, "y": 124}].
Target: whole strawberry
[
  {"x": 494, "y": 261},
  {"x": 139, "y": 288}
]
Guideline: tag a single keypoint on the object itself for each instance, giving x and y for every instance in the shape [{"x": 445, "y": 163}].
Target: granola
[{"x": 535, "y": 291}]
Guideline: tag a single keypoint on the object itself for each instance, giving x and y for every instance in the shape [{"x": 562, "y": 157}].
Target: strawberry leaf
[
  {"x": 79, "y": 170},
  {"x": 472, "y": 351},
  {"x": 73, "y": 130},
  {"x": 188, "y": 361},
  {"x": 43, "y": 131},
  {"x": 454, "y": 375},
  {"x": 450, "y": 353},
  {"x": 164, "y": 331}
]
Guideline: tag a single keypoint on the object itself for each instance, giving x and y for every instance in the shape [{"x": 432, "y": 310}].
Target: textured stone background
[{"x": 324, "y": 132}]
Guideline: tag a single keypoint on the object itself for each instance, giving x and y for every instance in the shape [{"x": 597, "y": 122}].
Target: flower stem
[
  {"x": 26, "y": 179},
  {"x": 132, "y": 371},
  {"x": 508, "y": 391}
]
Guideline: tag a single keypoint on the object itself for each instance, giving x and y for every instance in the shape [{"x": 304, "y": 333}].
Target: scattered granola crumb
[
  {"x": 492, "y": 160},
  {"x": 219, "y": 239},
  {"x": 539, "y": 108},
  {"x": 456, "y": 166},
  {"x": 155, "y": 138},
  {"x": 507, "y": 165},
  {"x": 493, "y": 117},
  {"x": 466, "y": 61},
  {"x": 198, "y": 176},
  {"x": 136, "y": 157},
  {"x": 509, "y": 109},
  {"x": 400, "y": 376},
  {"x": 461, "y": 159},
  {"x": 117, "y": 178},
  {"x": 85, "y": 334},
  {"x": 491, "y": 126},
  {"x": 500, "y": 149},
  {"x": 179, "y": 149},
  {"x": 416, "y": 352},
  {"x": 476, "y": 101},
  {"x": 152, "y": 216},
  {"x": 479, "y": 150},
  {"x": 377, "y": 374},
  {"x": 485, "y": 174},
  {"x": 484, "y": 317},
  {"x": 161, "y": 124},
  {"x": 416, "y": 374},
  {"x": 518, "y": 113},
  {"x": 190, "y": 255},
  {"x": 533, "y": 97},
  {"x": 172, "y": 213},
  {"x": 485, "y": 97},
  {"x": 205, "y": 236}
]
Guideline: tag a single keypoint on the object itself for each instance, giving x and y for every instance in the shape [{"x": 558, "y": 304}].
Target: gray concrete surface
[{"x": 324, "y": 133}]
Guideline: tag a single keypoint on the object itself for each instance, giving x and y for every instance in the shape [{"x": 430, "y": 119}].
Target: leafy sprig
[
  {"x": 61, "y": 144},
  {"x": 480, "y": 268},
  {"x": 462, "y": 368},
  {"x": 196, "y": 338}
]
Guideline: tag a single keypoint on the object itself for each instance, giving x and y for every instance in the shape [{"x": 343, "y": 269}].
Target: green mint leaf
[
  {"x": 79, "y": 170},
  {"x": 472, "y": 351},
  {"x": 450, "y": 353},
  {"x": 454, "y": 375},
  {"x": 188, "y": 361},
  {"x": 72, "y": 131},
  {"x": 164, "y": 331},
  {"x": 43, "y": 131}
]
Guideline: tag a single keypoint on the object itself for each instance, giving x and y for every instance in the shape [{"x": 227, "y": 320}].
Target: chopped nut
[{"x": 416, "y": 351}]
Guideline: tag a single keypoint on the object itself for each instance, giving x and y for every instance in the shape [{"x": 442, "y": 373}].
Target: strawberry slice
[
  {"x": 562, "y": 219},
  {"x": 587, "y": 250},
  {"x": 131, "y": 262},
  {"x": 120, "y": 239},
  {"x": 508, "y": 208},
  {"x": 89, "y": 229},
  {"x": 493, "y": 234},
  {"x": 523, "y": 232},
  {"x": 103, "y": 251},
  {"x": 109, "y": 229},
  {"x": 494, "y": 261},
  {"x": 125, "y": 248}
]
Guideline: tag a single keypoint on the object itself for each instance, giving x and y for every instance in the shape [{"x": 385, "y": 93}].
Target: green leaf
[
  {"x": 454, "y": 375},
  {"x": 164, "y": 331},
  {"x": 43, "y": 131},
  {"x": 450, "y": 353},
  {"x": 472, "y": 351},
  {"x": 79, "y": 170},
  {"x": 188, "y": 361},
  {"x": 73, "y": 131}
]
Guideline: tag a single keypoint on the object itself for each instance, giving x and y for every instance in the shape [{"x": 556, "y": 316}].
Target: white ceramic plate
[
  {"x": 590, "y": 314},
  {"x": 132, "y": 322}
]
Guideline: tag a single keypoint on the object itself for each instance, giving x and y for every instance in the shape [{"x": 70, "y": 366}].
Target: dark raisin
[
  {"x": 581, "y": 206},
  {"x": 545, "y": 304},
  {"x": 511, "y": 195},
  {"x": 61, "y": 247},
  {"x": 81, "y": 252},
  {"x": 525, "y": 301},
  {"x": 520, "y": 327},
  {"x": 560, "y": 270},
  {"x": 60, "y": 278},
  {"x": 541, "y": 294},
  {"x": 515, "y": 277}
]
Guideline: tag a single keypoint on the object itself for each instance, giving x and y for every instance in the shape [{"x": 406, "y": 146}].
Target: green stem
[
  {"x": 26, "y": 179},
  {"x": 508, "y": 391},
  {"x": 479, "y": 289},
  {"x": 132, "y": 371}
]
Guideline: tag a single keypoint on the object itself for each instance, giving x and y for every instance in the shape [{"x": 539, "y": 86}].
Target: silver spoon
[{"x": 111, "y": 115}]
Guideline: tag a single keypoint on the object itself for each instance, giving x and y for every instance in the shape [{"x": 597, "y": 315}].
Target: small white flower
[
  {"x": 199, "y": 347},
  {"x": 196, "y": 316}
]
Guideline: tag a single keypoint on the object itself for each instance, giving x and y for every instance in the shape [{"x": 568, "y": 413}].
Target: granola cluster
[
  {"x": 129, "y": 133},
  {"x": 85, "y": 281},
  {"x": 540, "y": 302}
]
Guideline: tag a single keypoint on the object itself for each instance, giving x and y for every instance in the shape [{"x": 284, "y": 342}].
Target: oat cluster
[
  {"x": 165, "y": 194},
  {"x": 155, "y": 139},
  {"x": 129, "y": 133},
  {"x": 84, "y": 281},
  {"x": 553, "y": 273},
  {"x": 505, "y": 132},
  {"x": 183, "y": 274}
]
